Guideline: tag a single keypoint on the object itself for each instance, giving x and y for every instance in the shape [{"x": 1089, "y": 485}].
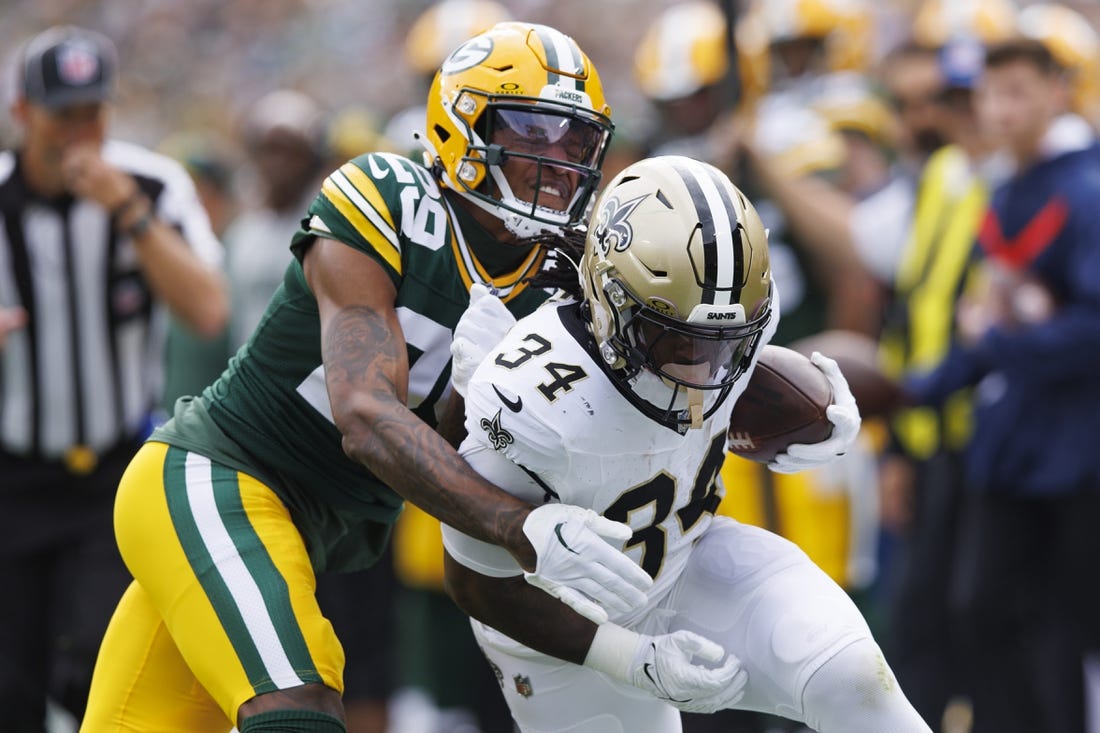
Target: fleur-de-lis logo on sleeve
[{"x": 498, "y": 436}]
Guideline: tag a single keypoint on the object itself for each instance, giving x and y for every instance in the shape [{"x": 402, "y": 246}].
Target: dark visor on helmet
[
  {"x": 535, "y": 132},
  {"x": 694, "y": 357}
]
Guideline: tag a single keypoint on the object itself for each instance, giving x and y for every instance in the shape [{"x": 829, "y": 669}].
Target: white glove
[
  {"x": 843, "y": 414},
  {"x": 663, "y": 666},
  {"x": 481, "y": 328},
  {"x": 579, "y": 561}
]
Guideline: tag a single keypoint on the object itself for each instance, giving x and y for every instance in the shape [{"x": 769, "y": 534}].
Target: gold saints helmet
[
  {"x": 533, "y": 86},
  {"x": 676, "y": 279}
]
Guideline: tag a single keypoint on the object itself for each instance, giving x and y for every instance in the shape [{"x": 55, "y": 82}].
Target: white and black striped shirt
[{"x": 88, "y": 367}]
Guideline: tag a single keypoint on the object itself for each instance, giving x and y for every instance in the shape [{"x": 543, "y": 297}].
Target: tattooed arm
[
  {"x": 367, "y": 373},
  {"x": 562, "y": 549}
]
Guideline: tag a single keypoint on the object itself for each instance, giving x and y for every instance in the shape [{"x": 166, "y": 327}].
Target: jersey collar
[{"x": 478, "y": 254}]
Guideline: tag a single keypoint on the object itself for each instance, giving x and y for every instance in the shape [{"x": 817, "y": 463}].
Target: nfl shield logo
[
  {"x": 77, "y": 65},
  {"x": 523, "y": 685}
]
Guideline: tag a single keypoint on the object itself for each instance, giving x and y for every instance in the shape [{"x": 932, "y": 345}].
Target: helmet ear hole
[{"x": 442, "y": 132}]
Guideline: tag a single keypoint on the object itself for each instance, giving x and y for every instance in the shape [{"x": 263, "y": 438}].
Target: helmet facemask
[
  {"x": 552, "y": 151},
  {"x": 517, "y": 125},
  {"x": 681, "y": 370}
]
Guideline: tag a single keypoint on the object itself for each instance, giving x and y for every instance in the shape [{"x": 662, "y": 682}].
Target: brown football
[
  {"x": 784, "y": 403},
  {"x": 857, "y": 355}
]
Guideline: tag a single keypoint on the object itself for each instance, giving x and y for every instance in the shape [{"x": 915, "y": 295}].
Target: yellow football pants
[{"x": 222, "y": 606}]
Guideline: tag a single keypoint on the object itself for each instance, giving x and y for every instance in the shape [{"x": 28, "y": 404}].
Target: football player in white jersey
[{"x": 617, "y": 396}]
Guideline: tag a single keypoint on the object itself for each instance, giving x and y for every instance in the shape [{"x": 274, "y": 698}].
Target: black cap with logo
[{"x": 66, "y": 65}]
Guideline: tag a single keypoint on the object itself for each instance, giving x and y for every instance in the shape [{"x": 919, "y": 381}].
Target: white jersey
[
  {"x": 537, "y": 400},
  {"x": 541, "y": 401}
]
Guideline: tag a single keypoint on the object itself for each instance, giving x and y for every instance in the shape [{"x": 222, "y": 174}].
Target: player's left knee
[{"x": 855, "y": 691}]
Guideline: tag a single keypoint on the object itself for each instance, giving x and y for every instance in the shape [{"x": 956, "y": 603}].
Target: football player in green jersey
[{"x": 299, "y": 457}]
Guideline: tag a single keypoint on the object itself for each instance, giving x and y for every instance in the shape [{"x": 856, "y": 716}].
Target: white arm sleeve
[{"x": 483, "y": 557}]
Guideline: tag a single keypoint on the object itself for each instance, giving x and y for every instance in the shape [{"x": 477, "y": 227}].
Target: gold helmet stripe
[{"x": 723, "y": 258}]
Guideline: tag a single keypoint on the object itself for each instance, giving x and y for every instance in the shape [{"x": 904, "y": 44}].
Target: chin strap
[{"x": 695, "y": 408}]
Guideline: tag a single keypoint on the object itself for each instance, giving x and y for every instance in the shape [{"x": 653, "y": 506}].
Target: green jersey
[{"x": 268, "y": 415}]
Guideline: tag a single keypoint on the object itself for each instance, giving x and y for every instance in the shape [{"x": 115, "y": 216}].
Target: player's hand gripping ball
[{"x": 785, "y": 402}]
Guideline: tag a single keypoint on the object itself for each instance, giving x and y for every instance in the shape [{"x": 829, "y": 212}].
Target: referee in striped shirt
[{"x": 100, "y": 240}]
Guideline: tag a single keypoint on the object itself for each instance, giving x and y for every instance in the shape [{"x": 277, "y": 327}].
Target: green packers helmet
[
  {"x": 677, "y": 283},
  {"x": 524, "y": 93}
]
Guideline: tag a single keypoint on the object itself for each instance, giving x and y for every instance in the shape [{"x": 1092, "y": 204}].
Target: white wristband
[{"x": 612, "y": 651}]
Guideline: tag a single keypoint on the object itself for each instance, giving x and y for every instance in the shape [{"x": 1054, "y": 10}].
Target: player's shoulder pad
[
  {"x": 374, "y": 202},
  {"x": 389, "y": 171},
  {"x": 503, "y": 405}
]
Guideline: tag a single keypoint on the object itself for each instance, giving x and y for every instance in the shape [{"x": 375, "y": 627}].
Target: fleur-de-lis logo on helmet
[{"x": 613, "y": 230}]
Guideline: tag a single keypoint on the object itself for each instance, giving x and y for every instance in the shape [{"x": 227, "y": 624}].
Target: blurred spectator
[
  {"x": 792, "y": 157},
  {"x": 1076, "y": 47},
  {"x": 191, "y": 361},
  {"x": 102, "y": 239},
  {"x": 878, "y": 224},
  {"x": 911, "y": 78},
  {"x": 283, "y": 136},
  {"x": 351, "y": 131},
  {"x": 785, "y": 47},
  {"x": 1029, "y": 337},
  {"x": 682, "y": 67},
  {"x": 853, "y": 108},
  {"x": 921, "y": 472},
  {"x": 212, "y": 162}
]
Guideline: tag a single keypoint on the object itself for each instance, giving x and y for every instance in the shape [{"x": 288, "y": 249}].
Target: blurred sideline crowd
[{"x": 896, "y": 153}]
